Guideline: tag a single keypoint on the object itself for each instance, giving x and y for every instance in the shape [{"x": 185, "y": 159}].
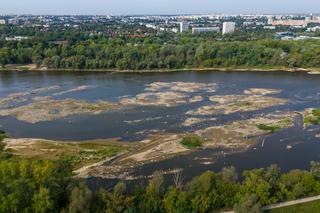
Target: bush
[
  {"x": 192, "y": 141},
  {"x": 2, "y": 135},
  {"x": 272, "y": 129}
]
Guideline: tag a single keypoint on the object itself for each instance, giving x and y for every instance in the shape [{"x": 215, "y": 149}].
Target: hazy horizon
[{"x": 157, "y": 7}]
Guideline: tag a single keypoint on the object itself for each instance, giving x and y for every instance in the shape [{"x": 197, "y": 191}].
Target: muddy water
[{"x": 301, "y": 89}]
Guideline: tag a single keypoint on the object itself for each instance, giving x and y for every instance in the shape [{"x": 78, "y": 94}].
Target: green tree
[
  {"x": 42, "y": 201},
  {"x": 248, "y": 204},
  {"x": 176, "y": 201}
]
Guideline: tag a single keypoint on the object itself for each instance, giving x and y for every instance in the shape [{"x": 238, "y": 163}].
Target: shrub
[
  {"x": 192, "y": 141},
  {"x": 268, "y": 128}
]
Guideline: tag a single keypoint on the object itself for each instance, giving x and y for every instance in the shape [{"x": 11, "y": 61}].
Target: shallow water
[{"x": 301, "y": 89}]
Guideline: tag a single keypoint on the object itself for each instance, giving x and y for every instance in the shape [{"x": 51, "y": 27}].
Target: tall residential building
[
  {"x": 184, "y": 27},
  {"x": 228, "y": 27}
]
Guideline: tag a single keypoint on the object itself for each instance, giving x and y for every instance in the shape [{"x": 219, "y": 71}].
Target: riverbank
[{"x": 32, "y": 67}]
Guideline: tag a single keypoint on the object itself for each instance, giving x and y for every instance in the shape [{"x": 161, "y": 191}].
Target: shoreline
[{"x": 213, "y": 69}]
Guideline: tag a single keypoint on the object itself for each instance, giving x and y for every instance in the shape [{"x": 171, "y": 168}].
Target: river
[{"x": 291, "y": 148}]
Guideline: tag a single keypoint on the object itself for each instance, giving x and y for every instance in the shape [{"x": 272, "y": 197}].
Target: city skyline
[{"x": 143, "y": 7}]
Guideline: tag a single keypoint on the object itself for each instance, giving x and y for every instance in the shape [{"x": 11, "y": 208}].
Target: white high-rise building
[
  {"x": 184, "y": 27},
  {"x": 228, "y": 27},
  {"x": 2, "y": 21}
]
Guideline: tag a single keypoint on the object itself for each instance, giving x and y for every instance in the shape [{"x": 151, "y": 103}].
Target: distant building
[
  {"x": 184, "y": 27},
  {"x": 16, "y": 38},
  {"x": 285, "y": 35},
  {"x": 175, "y": 30},
  {"x": 269, "y": 27},
  {"x": 313, "y": 29},
  {"x": 291, "y": 22},
  {"x": 152, "y": 26},
  {"x": 13, "y": 21},
  {"x": 199, "y": 30},
  {"x": 2, "y": 21},
  {"x": 228, "y": 27}
]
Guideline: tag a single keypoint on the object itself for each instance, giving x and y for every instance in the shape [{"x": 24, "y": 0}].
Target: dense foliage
[
  {"x": 215, "y": 191},
  {"x": 33, "y": 186},
  {"x": 82, "y": 49}
]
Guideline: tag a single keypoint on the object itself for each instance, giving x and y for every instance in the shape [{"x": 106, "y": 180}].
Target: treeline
[
  {"x": 85, "y": 50},
  {"x": 45, "y": 186}
]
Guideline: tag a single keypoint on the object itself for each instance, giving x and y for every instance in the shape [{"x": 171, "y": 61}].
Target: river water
[{"x": 302, "y": 91}]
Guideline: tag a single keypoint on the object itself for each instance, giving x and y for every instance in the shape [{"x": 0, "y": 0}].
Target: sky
[{"x": 125, "y": 7}]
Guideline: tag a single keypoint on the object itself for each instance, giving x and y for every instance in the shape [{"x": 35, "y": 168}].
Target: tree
[
  {"x": 176, "y": 201},
  {"x": 178, "y": 179},
  {"x": 229, "y": 174},
  {"x": 80, "y": 200},
  {"x": 248, "y": 204},
  {"x": 31, "y": 185},
  {"x": 297, "y": 184},
  {"x": 255, "y": 183},
  {"x": 151, "y": 201},
  {"x": 42, "y": 201},
  {"x": 202, "y": 191}
]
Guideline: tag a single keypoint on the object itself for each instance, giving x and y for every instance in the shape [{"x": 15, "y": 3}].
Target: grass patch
[
  {"x": 313, "y": 118},
  {"x": 78, "y": 154},
  {"x": 309, "y": 207},
  {"x": 268, "y": 128},
  {"x": 192, "y": 141},
  {"x": 244, "y": 104}
]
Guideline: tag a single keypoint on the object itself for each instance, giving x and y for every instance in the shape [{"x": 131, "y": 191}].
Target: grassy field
[
  {"x": 311, "y": 207},
  {"x": 79, "y": 153}
]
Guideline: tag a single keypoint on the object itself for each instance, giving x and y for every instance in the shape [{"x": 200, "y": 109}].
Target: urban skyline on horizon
[{"x": 158, "y": 7}]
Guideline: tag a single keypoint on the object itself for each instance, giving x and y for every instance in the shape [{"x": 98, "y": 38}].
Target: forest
[
  {"x": 28, "y": 185},
  {"x": 100, "y": 47}
]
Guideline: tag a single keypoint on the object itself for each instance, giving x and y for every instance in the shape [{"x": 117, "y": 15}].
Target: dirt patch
[
  {"x": 80, "y": 153},
  {"x": 22, "y": 96},
  {"x": 152, "y": 149},
  {"x": 244, "y": 133},
  {"x": 261, "y": 91},
  {"x": 159, "y": 147},
  {"x": 195, "y": 99},
  {"x": 77, "y": 89},
  {"x": 44, "y": 89},
  {"x": 46, "y": 109},
  {"x": 186, "y": 87},
  {"x": 15, "y": 97},
  {"x": 166, "y": 99},
  {"x": 237, "y": 103},
  {"x": 169, "y": 94},
  {"x": 192, "y": 121}
]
